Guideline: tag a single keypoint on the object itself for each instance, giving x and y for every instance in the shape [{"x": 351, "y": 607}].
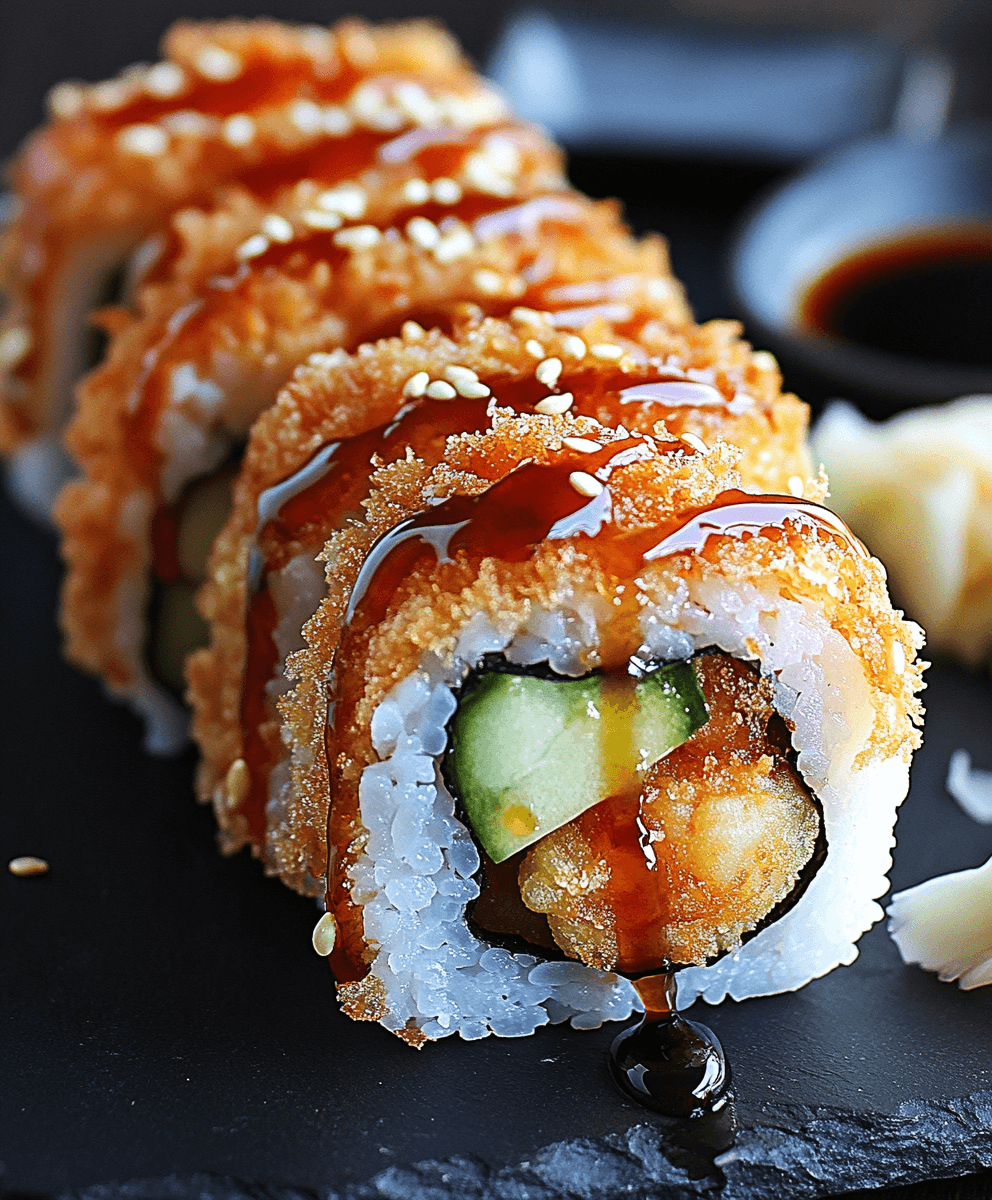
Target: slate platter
[{"x": 165, "y": 1013}]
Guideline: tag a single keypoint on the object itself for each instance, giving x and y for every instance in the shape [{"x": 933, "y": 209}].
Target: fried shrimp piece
[
  {"x": 717, "y": 837},
  {"x": 307, "y": 473},
  {"x": 117, "y": 158}
]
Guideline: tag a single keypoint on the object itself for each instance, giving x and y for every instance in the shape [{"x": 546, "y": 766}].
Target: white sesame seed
[
  {"x": 253, "y": 247},
  {"x": 454, "y": 373},
  {"x": 325, "y": 934},
  {"x": 320, "y": 275},
  {"x": 585, "y": 485},
  {"x": 358, "y": 237},
  {"x": 425, "y": 233},
  {"x": 583, "y": 445},
  {"x": 238, "y": 130},
  {"x": 574, "y": 346},
  {"x": 26, "y": 864},
  {"x": 484, "y": 177},
  {"x": 415, "y": 102},
  {"x": 65, "y": 101},
  {"x": 336, "y": 120},
  {"x": 488, "y": 282},
  {"x": 534, "y": 348},
  {"x": 439, "y": 390},
  {"x": 237, "y": 784},
  {"x": 605, "y": 350},
  {"x": 320, "y": 220},
  {"x": 165, "y": 80},
  {"x": 502, "y": 153},
  {"x": 15, "y": 343},
  {"x": 472, "y": 389},
  {"x": 660, "y": 289},
  {"x": 552, "y": 406},
  {"x": 796, "y": 485},
  {"x": 110, "y": 94},
  {"x": 147, "y": 141},
  {"x": 446, "y": 191},
  {"x": 416, "y": 191},
  {"x": 527, "y": 316},
  {"x": 695, "y": 442},
  {"x": 898, "y": 654},
  {"x": 764, "y": 361},
  {"x": 413, "y": 331},
  {"x": 367, "y": 103},
  {"x": 277, "y": 229},
  {"x": 306, "y": 116},
  {"x": 349, "y": 200},
  {"x": 548, "y": 371},
  {"x": 416, "y": 385},
  {"x": 218, "y": 64},
  {"x": 187, "y": 122},
  {"x": 455, "y": 244}
]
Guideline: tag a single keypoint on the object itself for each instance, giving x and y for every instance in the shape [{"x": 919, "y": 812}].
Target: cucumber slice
[{"x": 529, "y": 755}]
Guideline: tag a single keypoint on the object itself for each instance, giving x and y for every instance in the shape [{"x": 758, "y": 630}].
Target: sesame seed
[
  {"x": 277, "y": 229},
  {"x": 796, "y": 485},
  {"x": 446, "y": 191},
  {"x": 552, "y": 406},
  {"x": 898, "y": 654},
  {"x": 502, "y": 153},
  {"x": 367, "y": 102},
  {"x": 15, "y": 343},
  {"x": 218, "y": 64},
  {"x": 660, "y": 289},
  {"x": 695, "y": 442},
  {"x": 454, "y": 373},
  {"x": 415, "y": 102},
  {"x": 237, "y": 784},
  {"x": 336, "y": 120},
  {"x": 253, "y": 247},
  {"x": 186, "y": 122},
  {"x": 416, "y": 385},
  {"x": 416, "y": 191},
  {"x": 350, "y": 201},
  {"x": 439, "y": 390},
  {"x": 484, "y": 177},
  {"x": 527, "y": 316},
  {"x": 320, "y": 275},
  {"x": 358, "y": 237},
  {"x": 306, "y": 116},
  {"x": 574, "y": 346},
  {"x": 65, "y": 101},
  {"x": 425, "y": 233},
  {"x": 605, "y": 350},
  {"x": 764, "y": 361},
  {"x": 585, "y": 485},
  {"x": 165, "y": 80},
  {"x": 583, "y": 445},
  {"x": 148, "y": 141},
  {"x": 534, "y": 348},
  {"x": 488, "y": 282},
  {"x": 238, "y": 130},
  {"x": 26, "y": 865},
  {"x": 472, "y": 389},
  {"x": 548, "y": 371},
  {"x": 455, "y": 244},
  {"x": 413, "y": 331},
  {"x": 320, "y": 220},
  {"x": 325, "y": 934},
  {"x": 110, "y": 94}
]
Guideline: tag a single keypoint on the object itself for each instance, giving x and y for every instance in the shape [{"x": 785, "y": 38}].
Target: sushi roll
[
  {"x": 558, "y": 701},
  {"x": 228, "y": 100}
]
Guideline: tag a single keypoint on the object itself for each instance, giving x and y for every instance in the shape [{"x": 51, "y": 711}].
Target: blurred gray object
[{"x": 778, "y": 95}]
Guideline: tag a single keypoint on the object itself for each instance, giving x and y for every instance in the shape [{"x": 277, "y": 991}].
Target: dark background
[{"x": 162, "y": 1008}]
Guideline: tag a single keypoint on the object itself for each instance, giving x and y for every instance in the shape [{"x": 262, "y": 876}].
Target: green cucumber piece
[{"x": 529, "y": 755}]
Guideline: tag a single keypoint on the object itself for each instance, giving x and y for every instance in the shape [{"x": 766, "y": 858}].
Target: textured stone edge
[{"x": 825, "y": 1152}]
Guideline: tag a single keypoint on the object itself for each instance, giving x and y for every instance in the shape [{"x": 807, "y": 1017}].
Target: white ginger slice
[
  {"x": 970, "y": 787},
  {"x": 918, "y": 491},
  {"x": 945, "y": 925}
]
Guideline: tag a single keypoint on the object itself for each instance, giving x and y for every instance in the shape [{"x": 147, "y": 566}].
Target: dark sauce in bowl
[{"x": 925, "y": 296}]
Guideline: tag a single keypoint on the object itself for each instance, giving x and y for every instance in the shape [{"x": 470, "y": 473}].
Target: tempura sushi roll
[
  {"x": 177, "y": 395},
  {"x": 229, "y": 99},
  {"x": 601, "y": 618},
  {"x": 300, "y": 481}
]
